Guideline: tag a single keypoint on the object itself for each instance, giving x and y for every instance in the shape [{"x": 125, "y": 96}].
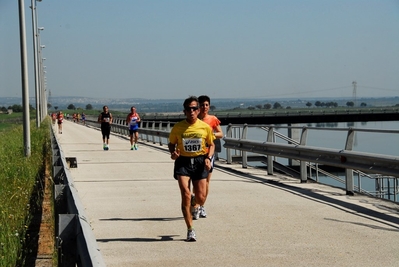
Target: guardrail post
[
  {"x": 244, "y": 154},
  {"x": 293, "y": 133},
  {"x": 304, "y": 174},
  {"x": 229, "y": 133},
  {"x": 148, "y": 127},
  {"x": 152, "y": 136},
  {"x": 349, "y": 172},
  {"x": 160, "y": 128},
  {"x": 270, "y": 137}
]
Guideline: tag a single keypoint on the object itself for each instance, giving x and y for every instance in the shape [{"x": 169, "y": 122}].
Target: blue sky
[{"x": 225, "y": 49}]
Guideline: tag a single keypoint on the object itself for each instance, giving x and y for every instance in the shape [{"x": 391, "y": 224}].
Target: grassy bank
[{"x": 19, "y": 178}]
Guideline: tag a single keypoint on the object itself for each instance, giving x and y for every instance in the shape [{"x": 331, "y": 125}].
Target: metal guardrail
[
  {"x": 75, "y": 239},
  {"x": 360, "y": 163},
  {"x": 368, "y": 163},
  {"x": 276, "y": 112}
]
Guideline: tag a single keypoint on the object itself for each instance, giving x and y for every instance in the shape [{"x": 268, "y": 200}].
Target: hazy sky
[{"x": 225, "y": 49}]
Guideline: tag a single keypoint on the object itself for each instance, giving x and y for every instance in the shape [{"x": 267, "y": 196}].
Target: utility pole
[
  {"x": 354, "y": 93},
  {"x": 35, "y": 59},
  {"x": 24, "y": 78}
]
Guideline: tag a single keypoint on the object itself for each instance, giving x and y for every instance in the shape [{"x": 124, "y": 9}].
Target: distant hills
[{"x": 175, "y": 105}]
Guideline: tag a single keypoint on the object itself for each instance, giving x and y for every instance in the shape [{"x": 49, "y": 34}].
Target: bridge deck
[{"x": 133, "y": 204}]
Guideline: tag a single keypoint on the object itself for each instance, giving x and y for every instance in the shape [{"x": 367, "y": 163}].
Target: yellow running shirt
[{"x": 191, "y": 139}]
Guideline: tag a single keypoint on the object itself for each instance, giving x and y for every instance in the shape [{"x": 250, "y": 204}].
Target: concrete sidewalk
[{"x": 133, "y": 203}]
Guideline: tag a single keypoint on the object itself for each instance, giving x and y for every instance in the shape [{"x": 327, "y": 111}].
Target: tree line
[
  {"x": 277, "y": 105},
  {"x": 15, "y": 108}
]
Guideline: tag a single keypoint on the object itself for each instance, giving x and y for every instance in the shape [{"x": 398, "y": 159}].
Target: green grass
[
  {"x": 18, "y": 178},
  {"x": 8, "y": 121}
]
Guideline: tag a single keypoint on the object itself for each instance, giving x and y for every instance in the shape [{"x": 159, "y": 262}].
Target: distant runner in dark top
[{"x": 105, "y": 118}]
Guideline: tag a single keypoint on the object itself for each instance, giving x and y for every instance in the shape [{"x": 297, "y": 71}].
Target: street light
[
  {"x": 36, "y": 62},
  {"x": 43, "y": 104},
  {"x": 24, "y": 78}
]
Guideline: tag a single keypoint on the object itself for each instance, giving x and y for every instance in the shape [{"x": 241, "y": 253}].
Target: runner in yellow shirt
[{"x": 188, "y": 141}]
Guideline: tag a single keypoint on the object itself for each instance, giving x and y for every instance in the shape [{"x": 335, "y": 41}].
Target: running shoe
[
  {"x": 136, "y": 147},
  {"x": 191, "y": 237},
  {"x": 132, "y": 148},
  {"x": 196, "y": 213},
  {"x": 202, "y": 212}
]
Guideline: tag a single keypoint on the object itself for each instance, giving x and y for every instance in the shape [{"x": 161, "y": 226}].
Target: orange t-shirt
[{"x": 212, "y": 121}]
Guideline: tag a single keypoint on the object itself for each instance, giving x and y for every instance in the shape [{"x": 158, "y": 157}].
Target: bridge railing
[
  {"x": 275, "y": 112},
  {"x": 75, "y": 240},
  {"x": 384, "y": 169}
]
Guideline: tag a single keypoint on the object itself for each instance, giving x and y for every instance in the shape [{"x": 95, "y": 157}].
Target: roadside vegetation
[
  {"x": 20, "y": 189},
  {"x": 9, "y": 120}
]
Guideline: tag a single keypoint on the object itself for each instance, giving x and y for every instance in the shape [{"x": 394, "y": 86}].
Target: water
[{"x": 378, "y": 143}]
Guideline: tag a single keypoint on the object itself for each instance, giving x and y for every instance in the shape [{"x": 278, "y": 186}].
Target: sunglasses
[{"x": 191, "y": 108}]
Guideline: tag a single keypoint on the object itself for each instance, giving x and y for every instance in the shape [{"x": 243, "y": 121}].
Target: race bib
[
  {"x": 133, "y": 121},
  {"x": 192, "y": 144}
]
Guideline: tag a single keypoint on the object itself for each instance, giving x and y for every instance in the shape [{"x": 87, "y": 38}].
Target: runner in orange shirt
[
  {"x": 214, "y": 122},
  {"x": 60, "y": 120}
]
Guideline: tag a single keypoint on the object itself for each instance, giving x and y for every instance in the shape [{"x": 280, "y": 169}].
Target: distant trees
[
  {"x": 16, "y": 108},
  {"x": 277, "y": 105},
  {"x": 308, "y": 104},
  {"x": 212, "y": 108},
  {"x": 332, "y": 104},
  {"x": 363, "y": 104},
  {"x": 89, "y": 107},
  {"x": 71, "y": 106},
  {"x": 350, "y": 104},
  {"x": 267, "y": 106},
  {"x": 259, "y": 106},
  {"x": 323, "y": 104}
]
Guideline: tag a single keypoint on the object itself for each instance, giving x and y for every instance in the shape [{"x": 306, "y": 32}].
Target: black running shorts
[{"x": 193, "y": 167}]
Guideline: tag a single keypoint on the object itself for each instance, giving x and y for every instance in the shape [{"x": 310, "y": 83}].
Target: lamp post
[
  {"x": 24, "y": 77},
  {"x": 40, "y": 60},
  {"x": 36, "y": 62},
  {"x": 42, "y": 86}
]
